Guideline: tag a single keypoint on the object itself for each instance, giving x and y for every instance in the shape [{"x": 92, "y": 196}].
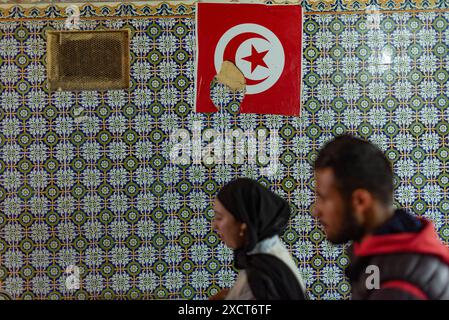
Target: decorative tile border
[
  {"x": 160, "y": 8},
  {"x": 64, "y": 153},
  {"x": 98, "y": 10}
]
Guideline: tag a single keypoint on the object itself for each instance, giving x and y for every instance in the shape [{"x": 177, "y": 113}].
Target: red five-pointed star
[{"x": 256, "y": 58}]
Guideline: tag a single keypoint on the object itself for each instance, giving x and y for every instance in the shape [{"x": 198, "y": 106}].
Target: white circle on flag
[{"x": 267, "y": 47}]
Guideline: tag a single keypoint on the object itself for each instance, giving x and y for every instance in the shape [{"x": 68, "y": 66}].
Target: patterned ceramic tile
[{"x": 86, "y": 178}]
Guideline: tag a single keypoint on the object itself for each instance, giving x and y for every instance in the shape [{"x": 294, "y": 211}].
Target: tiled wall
[
  {"x": 85, "y": 178},
  {"x": 309, "y": 5}
]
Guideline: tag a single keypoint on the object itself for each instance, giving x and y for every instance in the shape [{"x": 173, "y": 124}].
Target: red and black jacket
[{"x": 413, "y": 263}]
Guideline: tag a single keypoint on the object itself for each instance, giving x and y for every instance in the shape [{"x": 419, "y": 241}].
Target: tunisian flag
[{"x": 264, "y": 42}]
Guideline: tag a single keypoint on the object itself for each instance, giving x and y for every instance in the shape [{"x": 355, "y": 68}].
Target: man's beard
[{"x": 350, "y": 229}]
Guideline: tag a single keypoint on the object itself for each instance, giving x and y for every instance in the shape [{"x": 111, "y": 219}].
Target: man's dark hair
[{"x": 357, "y": 164}]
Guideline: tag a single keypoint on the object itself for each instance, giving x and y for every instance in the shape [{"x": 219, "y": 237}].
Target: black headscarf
[{"x": 265, "y": 214}]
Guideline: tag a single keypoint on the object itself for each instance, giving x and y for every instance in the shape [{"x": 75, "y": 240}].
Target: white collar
[{"x": 265, "y": 245}]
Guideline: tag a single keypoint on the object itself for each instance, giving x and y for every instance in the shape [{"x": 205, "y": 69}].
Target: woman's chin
[{"x": 228, "y": 244}]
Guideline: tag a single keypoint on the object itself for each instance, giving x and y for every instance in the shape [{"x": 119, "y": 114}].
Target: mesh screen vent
[{"x": 88, "y": 60}]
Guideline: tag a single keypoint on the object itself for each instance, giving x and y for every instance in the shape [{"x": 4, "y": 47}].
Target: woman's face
[{"x": 231, "y": 231}]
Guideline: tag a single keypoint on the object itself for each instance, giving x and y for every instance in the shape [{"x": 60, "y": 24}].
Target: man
[{"x": 354, "y": 184}]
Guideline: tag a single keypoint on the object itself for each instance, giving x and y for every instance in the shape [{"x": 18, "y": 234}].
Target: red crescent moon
[{"x": 234, "y": 44}]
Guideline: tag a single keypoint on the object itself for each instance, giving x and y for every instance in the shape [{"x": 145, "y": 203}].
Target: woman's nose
[{"x": 315, "y": 212}]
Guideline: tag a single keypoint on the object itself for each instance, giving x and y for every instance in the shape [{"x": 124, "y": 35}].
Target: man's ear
[
  {"x": 243, "y": 228},
  {"x": 362, "y": 202}
]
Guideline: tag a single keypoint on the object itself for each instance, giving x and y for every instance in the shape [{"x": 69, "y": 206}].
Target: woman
[{"x": 249, "y": 219}]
